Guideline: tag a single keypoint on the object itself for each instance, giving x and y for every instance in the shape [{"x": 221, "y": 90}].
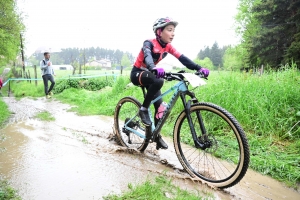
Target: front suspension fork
[{"x": 188, "y": 105}]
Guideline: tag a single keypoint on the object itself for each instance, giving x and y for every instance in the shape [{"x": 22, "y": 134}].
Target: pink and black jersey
[{"x": 153, "y": 52}]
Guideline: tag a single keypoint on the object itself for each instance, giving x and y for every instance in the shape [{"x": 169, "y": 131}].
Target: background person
[{"x": 47, "y": 74}]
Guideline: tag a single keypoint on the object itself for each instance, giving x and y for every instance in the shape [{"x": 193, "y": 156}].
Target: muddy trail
[{"x": 75, "y": 157}]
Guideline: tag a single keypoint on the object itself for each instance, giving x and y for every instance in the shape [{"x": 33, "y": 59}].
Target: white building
[
  {"x": 62, "y": 67},
  {"x": 104, "y": 63}
]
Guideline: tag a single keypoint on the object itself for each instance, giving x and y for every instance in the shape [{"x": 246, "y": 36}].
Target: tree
[
  {"x": 292, "y": 54},
  {"x": 206, "y": 62},
  {"x": 233, "y": 58},
  {"x": 269, "y": 30},
  {"x": 204, "y": 53},
  {"x": 11, "y": 26},
  {"x": 216, "y": 55}
]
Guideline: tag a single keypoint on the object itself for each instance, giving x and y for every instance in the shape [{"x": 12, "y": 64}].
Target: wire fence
[{"x": 77, "y": 76}]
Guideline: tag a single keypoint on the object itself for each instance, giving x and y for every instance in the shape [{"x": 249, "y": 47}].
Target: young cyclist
[{"x": 153, "y": 51}]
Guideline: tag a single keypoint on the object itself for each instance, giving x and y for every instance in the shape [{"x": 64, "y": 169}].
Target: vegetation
[
  {"x": 270, "y": 36},
  {"x": 4, "y": 112},
  {"x": 162, "y": 188},
  {"x": 214, "y": 54},
  {"x": 270, "y": 31},
  {"x": 7, "y": 192},
  {"x": 11, "y": 26}
]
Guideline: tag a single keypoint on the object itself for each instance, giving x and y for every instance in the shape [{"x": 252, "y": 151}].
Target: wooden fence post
[{"x": 262, "y": 70}]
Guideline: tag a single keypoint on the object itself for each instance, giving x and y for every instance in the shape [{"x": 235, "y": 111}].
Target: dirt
[{"x": 75, "y": 157}]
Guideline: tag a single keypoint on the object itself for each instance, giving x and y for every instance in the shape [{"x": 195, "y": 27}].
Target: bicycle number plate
[{"x": 194, "y": 80}]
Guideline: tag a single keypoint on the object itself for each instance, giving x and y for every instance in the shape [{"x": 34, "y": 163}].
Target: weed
[
  {"x": 162, "y": 188},
  {"x": 7, "y": 192},
  {"x": 45, "y": 116}
]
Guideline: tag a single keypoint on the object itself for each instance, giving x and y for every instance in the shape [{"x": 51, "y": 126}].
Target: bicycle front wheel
[
  {"x": 126, "y": 116},
  {"x": 225, "y": 160}
]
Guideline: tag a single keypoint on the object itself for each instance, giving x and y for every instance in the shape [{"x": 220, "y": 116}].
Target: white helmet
[{"x": 162, "y": 22}]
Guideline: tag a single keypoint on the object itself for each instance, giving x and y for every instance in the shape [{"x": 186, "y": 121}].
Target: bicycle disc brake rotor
[{"x": 210, "y": 142}]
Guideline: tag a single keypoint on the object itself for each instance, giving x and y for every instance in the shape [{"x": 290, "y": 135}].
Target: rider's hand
[
  {"x": 49, "y": 63},
  {"x": 160, "y": 72},
  {"x": 204, "y": 71}
]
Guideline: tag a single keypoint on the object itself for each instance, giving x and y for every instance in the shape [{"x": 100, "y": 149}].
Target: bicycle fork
[{"x": 187, "y": 105}]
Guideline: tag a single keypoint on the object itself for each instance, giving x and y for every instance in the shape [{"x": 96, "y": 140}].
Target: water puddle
[
  {"x": 73, "y": 157},
  {"x": 55, "y": 164}
]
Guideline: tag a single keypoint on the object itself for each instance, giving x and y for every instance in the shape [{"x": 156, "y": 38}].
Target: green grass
[
  {"x": 7, "y": 192},
  {"x": 161, "y": 188},
  {"x": 45, "y": 116},
  {"x": 266, "y": 106},
  {"x": 4, "y": 112}
]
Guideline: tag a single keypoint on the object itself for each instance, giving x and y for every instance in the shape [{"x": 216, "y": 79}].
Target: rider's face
[{"x": 167, "y": 35}]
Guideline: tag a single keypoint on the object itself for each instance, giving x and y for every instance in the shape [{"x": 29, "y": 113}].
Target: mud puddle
[{"x": 74, "y": 158}]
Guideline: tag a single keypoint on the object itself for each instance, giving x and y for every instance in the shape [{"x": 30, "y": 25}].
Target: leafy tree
[
  {"x": 11, "y": 26},
  {"x": 269, "y": 30},
  {"x": 206, "y": 62},
  {"x": 234, "y": 58}
]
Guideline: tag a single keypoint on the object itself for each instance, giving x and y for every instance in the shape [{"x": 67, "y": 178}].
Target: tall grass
[
  {"x": 4, "y": 112},
  {"x": 265, "y": 105}
]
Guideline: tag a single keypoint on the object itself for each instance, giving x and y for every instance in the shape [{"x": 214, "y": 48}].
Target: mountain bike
[{"x": 208, "y": 140}]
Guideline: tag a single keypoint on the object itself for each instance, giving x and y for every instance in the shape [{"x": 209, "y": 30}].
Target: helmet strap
[{"x": 158, "y": 37}]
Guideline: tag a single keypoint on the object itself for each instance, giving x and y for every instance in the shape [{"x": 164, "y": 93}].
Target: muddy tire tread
[
  {"x": 245, "y": 154},
  {"x": 118, "y": 135}
]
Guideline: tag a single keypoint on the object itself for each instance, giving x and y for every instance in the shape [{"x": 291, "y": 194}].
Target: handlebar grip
[{"x": 201, "y": 75}]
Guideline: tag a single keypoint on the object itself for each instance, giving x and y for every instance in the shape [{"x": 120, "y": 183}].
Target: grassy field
[{"x": 266, "y": 106}]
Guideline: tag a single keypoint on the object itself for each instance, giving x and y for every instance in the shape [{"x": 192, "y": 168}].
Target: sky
[{"x": 126, "y": 24}]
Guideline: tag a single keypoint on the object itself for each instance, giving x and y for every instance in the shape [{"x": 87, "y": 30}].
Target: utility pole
[{"x": 23, "y": 63}]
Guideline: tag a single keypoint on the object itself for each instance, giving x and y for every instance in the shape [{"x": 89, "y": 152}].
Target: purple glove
[
  {"x": 204, "y": 71},
  {"x": 160, "y": 72}
]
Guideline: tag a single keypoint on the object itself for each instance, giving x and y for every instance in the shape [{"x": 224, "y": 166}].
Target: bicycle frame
[{"x": 179, "y": 89}]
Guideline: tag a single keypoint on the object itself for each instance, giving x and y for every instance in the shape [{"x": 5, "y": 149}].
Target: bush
[{"x": 88, "y": 84}]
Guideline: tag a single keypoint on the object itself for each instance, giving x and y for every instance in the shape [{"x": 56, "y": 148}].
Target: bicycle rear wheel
[
  {"x": 225, "y": 162},
  {"x": 126, "y": 115}
]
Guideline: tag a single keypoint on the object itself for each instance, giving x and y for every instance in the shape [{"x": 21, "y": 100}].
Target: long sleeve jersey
[
  {"x": 152, "y": 52},
  {"x": 45, "y": 69}
]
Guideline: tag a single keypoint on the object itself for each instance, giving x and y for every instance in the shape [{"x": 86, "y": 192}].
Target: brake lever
[{"x": 201, "y": 75}]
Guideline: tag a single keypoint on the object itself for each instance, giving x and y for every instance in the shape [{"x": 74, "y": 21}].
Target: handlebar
[{"x": 170, "y": 76}]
